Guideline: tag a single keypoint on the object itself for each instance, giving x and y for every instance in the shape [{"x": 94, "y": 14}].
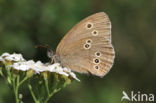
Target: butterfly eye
[
  {"x": 96, "y": 61},
  {"x": 96, "y": 67},
  {"x": 87, "y": 46},
  {"x": 98, "y": 54},
  {"x": 94, "y": 32},
  {"x": 89, "y": 25},
  {"x": 89, "y": 41}
]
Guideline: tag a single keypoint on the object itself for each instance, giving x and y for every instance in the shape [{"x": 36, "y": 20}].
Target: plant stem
[
  {"x": 51, "y": 94},
  {"x": 1, "y": 73},
  {"x": 22, "y": 81},
  {"x": 15, "y": 87},
  {"x": 32, "y": 93},
  {"x": 47, "y": 87}
]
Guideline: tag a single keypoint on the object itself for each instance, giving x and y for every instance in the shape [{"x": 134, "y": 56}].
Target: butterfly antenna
[{"x": 44, "y": 46}]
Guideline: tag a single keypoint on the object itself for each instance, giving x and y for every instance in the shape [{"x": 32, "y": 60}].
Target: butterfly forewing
[
  {"x": 87, "y": 46},
  {"x": 80, "y": 30}
]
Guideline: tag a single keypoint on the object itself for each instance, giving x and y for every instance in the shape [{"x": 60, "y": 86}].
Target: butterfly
[{"x": 87, "y": 47}]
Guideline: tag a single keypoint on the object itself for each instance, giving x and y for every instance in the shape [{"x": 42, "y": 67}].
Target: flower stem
[
  {"x": 22, "y": 81},
  {"x": 47, "y": 87},
  {"x": 1, "y": 73},
  {"x": 32, "y": 93},
  {"x": 15, "y": 87},
  {"x": 51, "y": 94}
]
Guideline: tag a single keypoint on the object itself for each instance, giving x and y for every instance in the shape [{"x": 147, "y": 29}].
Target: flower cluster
[
  {"x": 43, "y": 80},
  {"x": 19, "y": 63}
]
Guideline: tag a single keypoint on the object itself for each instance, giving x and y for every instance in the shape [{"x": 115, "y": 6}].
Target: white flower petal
[
  {"x": 24, "y": 66},
  {"x": 1, "y": 59},
  {"x": 40, "y": 67},
  {"x": 74, "y": 76},
  {"x": 20, "y": 66},
  {"x": 57, "y": 68},
  {"x": 5, "y": 54},
  {"x": 12, "y": 57}
]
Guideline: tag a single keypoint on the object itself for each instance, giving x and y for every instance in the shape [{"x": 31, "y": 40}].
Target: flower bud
[{"x": 30, "y": 73}]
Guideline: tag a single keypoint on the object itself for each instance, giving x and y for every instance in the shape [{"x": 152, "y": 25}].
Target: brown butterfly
[{"x": 87, "y": 47}]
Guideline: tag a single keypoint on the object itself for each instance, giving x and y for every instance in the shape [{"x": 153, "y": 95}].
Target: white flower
[
  {"x": 57, "y": 68},
  {"x": 1, "y": 59},
  {"x": 38, "y": 67},
  {"x": 24, "y": 66},
  {"x": 70, "y": 73},
  {"x": 5, "y": 54},
  {"x": 74, "y": 76},
  {"x": 15, "y": 57},
  {"x": 11, "y": 57}
]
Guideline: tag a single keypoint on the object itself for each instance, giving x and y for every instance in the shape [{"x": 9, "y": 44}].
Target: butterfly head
[
  {"x": 53, "y": 56},
  {"x": 50, "y": 53}
]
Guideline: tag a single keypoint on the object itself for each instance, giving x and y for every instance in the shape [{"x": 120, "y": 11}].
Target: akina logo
[{"x": 138, "y": 96}]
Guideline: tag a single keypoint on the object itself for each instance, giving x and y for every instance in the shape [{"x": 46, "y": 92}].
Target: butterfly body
[{"x": 87, "y": 47}]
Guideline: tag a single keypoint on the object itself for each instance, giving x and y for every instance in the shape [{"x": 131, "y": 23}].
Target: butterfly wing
[{"x": 87, "y": 46}]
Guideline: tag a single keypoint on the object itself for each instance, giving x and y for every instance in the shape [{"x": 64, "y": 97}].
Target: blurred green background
[{"x": 26, "y": 23}]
